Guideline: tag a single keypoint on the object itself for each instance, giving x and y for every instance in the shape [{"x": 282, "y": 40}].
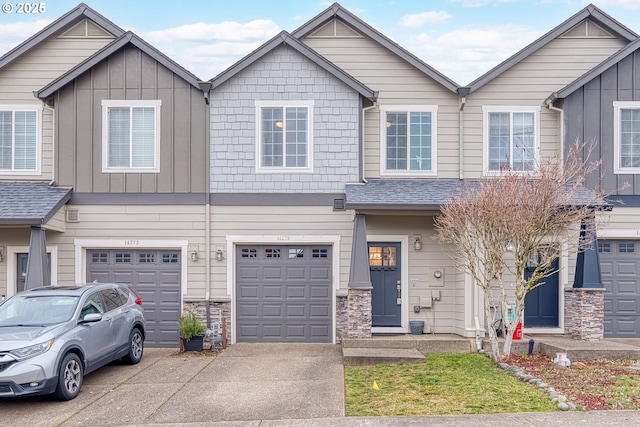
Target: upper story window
[
  {"x": 511, "y": 138},
  {"x": 19, "y": 139},
  {"x": 131, "y": 136},
  {"x": 626, "y": 136},
  {"x": 408, "y": 137},
  {"x": 284, "y": 136}
]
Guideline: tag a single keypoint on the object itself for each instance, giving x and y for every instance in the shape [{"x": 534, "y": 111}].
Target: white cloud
[
  {"x": 259, "y": 29},
  {"x": 465, "y": 54},
  {"x": 625, "y": 4},
  {"x": 14, "y": 33},
  {"x": 424, "y": 18}
]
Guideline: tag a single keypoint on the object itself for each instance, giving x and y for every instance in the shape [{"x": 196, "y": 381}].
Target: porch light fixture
[
  {"x": 2, "y": 249},
  {"x": 417, "y": 243},
  {"x": 219, "y": 254},
  {"x": 194, "y": 255}
]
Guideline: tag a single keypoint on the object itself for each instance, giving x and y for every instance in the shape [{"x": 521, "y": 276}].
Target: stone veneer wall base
[{"x": 584, "y": 313}]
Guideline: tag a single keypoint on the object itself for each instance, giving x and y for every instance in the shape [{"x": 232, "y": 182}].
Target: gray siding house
[
  {"x": 603, "y": 108},
  {"x": 294, "y": 194}
]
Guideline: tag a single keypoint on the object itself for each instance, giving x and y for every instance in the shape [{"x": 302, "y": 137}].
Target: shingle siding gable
[{"x": 284, "y": 74}]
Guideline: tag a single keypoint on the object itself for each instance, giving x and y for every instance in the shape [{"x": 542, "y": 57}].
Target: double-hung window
[
  {"x": 284, "y": 136},
  {"x": 511, "y": 138},
  {"x": 626, "y": 136},
  {"x": 131, "y": 136},
  {"x": 19, "y": 139},
  {"x": 408, "y": 140}
]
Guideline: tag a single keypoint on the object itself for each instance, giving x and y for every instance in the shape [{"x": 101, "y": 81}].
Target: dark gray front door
[
  {"x": 384, "y": 266},
  {"x": 155, "y": 276},
  {"x": 283, "y": 293},
  {"x": 620, "y": 267},
  {"x": 23, "y": 259},
  {"x": 541, "y": 304}
]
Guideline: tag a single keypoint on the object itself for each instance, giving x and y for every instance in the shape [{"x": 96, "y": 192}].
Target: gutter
[
  {"x": 549, "y": 104},
  {"x": 463, "y": 92}
]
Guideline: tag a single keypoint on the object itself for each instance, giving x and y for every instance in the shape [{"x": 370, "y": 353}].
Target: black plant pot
[{"x": 194, "y": 344}]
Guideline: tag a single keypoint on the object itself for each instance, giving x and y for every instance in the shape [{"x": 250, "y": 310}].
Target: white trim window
[
  {"x": 284, "y": 141},
  {"x": 512, "y": 136},
  {"x": 19, "y": 139},
  {"x": 131, "y": 136},
  {"x": 626, "y": 136},
  {"x": 408, "y": 143}
]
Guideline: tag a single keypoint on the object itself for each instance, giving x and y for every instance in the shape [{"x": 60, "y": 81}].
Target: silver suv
[{"x": 50, "y": 337}]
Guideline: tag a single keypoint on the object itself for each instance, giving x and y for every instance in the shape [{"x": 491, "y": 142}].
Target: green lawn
[{"x": 443, "y": 384}]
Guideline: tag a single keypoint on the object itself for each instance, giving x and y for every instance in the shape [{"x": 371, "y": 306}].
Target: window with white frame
[
  {"x": 511, "y": 138},
  {"x": 284, "y": 136},
  {"x": 131, "y": 136},
  {"x": 19, "y": 139},
  {"x": 626, "y": 136},
  {"x": 408, "y": 140}
]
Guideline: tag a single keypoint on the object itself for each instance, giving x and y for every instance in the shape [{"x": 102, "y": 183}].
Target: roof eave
[
  {"x": 335, "y": 10},
  {"x": 108, "y": 50},
  {"x": 82, "y": 10}
]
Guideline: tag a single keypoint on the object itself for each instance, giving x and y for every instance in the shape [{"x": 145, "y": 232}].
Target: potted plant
[{"x": 191, "y": 331}]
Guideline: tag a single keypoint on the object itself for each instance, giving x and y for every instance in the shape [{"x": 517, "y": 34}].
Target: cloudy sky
[{"x": 460, "y": 38}]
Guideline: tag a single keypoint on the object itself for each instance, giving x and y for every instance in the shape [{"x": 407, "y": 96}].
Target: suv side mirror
[{"x": 91, "y": 318}]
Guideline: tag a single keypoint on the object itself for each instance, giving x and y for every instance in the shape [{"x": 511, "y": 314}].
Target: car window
[
  {"x": 93, "y": 304},
  {"x": 112, "y": 298},
  {"x": 37, "y": 310}
]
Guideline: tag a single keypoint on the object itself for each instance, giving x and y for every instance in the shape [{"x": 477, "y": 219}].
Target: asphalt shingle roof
[
  {"x": 423, "y": 194},
  {"x": 30, "y": 203}
]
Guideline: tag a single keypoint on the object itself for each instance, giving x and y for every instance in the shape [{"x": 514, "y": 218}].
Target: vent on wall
[
  {"x": 73, "y": 215},
  {"x": 338, "y": 205}
]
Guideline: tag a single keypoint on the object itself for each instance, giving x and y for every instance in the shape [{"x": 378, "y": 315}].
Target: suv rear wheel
[{"x": 69, "y": 378}]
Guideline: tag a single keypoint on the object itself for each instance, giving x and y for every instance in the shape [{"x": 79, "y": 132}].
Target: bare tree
[{"x": 501, "y": 224}]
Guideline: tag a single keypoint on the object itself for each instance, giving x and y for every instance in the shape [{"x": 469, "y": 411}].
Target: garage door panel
[
  {"x": 271, "y": 291},
  {"x": 620, "y": 266},
  {"x": 155, "y": 276},
  {"x": 294, "y": 310},
  {"x": 294, "y": 293},
  {"x": 272, "y": 310},
  {"x": 625, "y": 268},
  {"x": 320, "y": 273},
  {"x": 296, "y": 273},
  {"x": 248, "y": 310},
  {"x": 319, "y": 292},
  {"x": 248, "y": 291},
  {"x": 272, "y": 273}
]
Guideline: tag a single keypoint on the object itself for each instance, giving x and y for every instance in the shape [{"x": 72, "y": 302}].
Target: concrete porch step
[
  {"x": 590, "y": 350},
  {"x": 356, "y": 356}
]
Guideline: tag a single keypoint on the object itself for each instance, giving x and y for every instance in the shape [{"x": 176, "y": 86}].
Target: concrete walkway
[{"x": 246, "y": 385}]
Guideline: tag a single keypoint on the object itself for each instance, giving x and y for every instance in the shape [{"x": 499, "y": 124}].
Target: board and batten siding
[
  {"x": 130, "y": 74},
  {"x": 274, "y": 221},
  {"x": 397, "y": 83},
  {"x": 35, "y": 69},
  {"x": 284, "y": 75},
  {"x": 589, "y": 116},
  {"x": 529, "y": 83}
]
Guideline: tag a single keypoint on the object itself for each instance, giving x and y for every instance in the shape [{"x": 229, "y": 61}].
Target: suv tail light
[{"x": 137, "y": 298}]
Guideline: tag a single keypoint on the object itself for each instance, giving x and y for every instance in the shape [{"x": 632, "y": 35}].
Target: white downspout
[
  {"x": 549, "y": 105},
  {"x": 364, "y": 145},
  {"x": 53, "y": 142}
]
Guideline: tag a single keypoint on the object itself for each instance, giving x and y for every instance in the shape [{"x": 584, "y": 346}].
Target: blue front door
[
  {"x": 541, "y": 303},
  {"x": 384, "y": 267}
]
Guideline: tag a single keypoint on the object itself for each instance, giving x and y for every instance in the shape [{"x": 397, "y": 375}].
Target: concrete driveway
[{"x": 244, "y": 382}]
